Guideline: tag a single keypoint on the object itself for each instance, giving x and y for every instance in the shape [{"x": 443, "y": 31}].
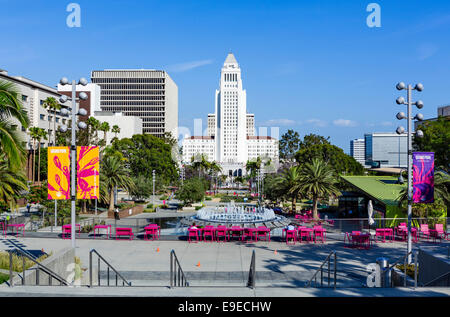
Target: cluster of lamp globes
[
  {"x": 418, "y": 104},
  {"x": 64, "y": 98}
]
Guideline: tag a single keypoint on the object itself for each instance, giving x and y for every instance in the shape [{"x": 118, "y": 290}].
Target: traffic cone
[
  {"x": 275, "y": 252},
  {"x": 198, "y": 264},
  {"x": 157, "y": 249}
]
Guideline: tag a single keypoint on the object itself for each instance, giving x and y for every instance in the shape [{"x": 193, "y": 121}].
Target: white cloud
[
  {"x": 317, "y": 122},
  {"x": 345, "y": 123},
  {"x": 278, "y": 122},
  {"x": 182, "y": 67},
  {"x": 426, "y": 51},
  {"x": 386, "y": 123}
]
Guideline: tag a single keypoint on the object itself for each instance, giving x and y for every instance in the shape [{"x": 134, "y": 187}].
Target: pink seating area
[
  {"x": 124, "y": 232},
  {"x": 152, "y": 230},
  {"x": 97, "y": 229},
  {"x": 223, "y": 234},
  {"x": 3, "y": 228},
  {"x": 357, "y": 239},
  {"x": 383, "y": 233},
  {"x": 67, "y": 230},
  {"x": 15, "y": 228},
  {"x": 306, "y": 234}
]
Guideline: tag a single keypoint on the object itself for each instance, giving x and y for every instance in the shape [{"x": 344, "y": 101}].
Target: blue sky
[{"x": 312, "y": 66}]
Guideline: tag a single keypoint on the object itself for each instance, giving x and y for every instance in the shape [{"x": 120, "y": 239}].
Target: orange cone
[
  {"x": 157, "y": 249},
  {"x": 275, "y": 252},
  {"x": 198, "y": 264}
]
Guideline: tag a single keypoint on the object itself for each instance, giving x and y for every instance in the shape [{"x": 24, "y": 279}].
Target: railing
[
  {"x": 40, "y": 267},
  {"x": 177, "y": 276},
  {"x": 252, "y": 272},
  {"x": 320, "y": 269},
  {"x": 404, "y": 259},
  {"x": 439, "y": 279},
  {"x": 109, "y": 267}
]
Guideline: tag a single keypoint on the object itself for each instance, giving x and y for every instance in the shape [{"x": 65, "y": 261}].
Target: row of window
[
  {"x": 127, "y": 80},
  {"x": 131, "y": 86},
  {"x": 133, "y": 92},
  {"x": 132, "y": 98},
  {"x": 132, "y": 103}
]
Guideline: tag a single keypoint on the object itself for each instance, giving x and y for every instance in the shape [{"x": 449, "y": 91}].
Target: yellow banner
[
  {"x": 58, "y": 172},
  {"x": 88, "y": 166}
]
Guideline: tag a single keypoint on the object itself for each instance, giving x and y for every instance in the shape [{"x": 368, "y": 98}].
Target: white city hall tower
[{"x": 231, "y": 141}]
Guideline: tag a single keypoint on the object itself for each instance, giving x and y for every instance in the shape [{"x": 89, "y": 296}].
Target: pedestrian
[
  {"x": 116, "y": 214},
  {"x": 28, "y": 207}
]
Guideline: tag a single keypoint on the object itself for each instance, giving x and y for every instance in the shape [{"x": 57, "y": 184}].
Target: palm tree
[
  {"x": 12, "y": 181},
  {"x": 114, "y": 175},
  {"x": 93, "y": 126},
  {"x": 35, "y": 134},
  {"x": 200, "y": 163},
  {"x": 251, "y": 167},
  {"x": 317, "y": 180},
  {"x": 52, "y": 105},
  {"x": 214, "y": 169},
  {"x": 116, "y": 130},
  {"x": 42, "y": 134},
  {"x": 290, "y": 182},
  {"x": 10, "y": 138},
  {"x": 104, "y": 126}
]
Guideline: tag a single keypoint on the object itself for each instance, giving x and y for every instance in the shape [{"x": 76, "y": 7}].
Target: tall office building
[
  {"x": 231, "y": 139},
  {"x": 149, "y": 94},
  {"x": 357, "y": 150},
  {"x": 386, "y": 149}
]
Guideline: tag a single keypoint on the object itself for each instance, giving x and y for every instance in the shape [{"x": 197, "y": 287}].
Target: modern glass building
[{"x": 386, "y": 150}]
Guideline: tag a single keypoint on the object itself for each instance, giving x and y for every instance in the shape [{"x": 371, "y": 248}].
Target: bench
[{"x": 124, "y": 232}]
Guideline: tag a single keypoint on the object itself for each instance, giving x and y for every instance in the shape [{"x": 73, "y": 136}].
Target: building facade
[
  {"x": 357, "y": 150},
  {"x": 91, "y": 104},
  {"x": 149, "y": 94},
  {"x": 128, "y": 125},
  {"x": 386, "y": 150},
  {"x": 231, "y": 139}
]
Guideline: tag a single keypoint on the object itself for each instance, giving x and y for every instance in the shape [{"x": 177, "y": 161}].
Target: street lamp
[
  {"x": 73, "y": 147},
  {"x": 153, "y": 177},
  {"x": 419, "y": 133}
]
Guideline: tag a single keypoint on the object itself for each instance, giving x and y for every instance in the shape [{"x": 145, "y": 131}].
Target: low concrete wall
[
  {"x": 398, "y": 278},
  {"x": 58, "y": 263},
  {"x": 131, "y": 211},
  {"x": 431, "y": 267}
]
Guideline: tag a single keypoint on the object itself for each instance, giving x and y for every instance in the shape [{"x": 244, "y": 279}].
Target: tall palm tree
[
  {"x": 214, "y": 169},
  {"x": 11, "y": 108},
  {"x": 35, "y": 134},
  {"x": 52, "y": 105},
  {"x": 290, "y": 182},
  {"x": 104, "y": 126},
  {"x": 116, "y": 130},
  {"x": 42, "y": 134},
  {"x": 251, "y": 167},
  {"x": 317, "y": 180},
  {"x": 12, "y": 181},
  {"x": 200, "y": 163},
  {"x": 114, "y": 175},
  {"x": 93, "y": 126}
]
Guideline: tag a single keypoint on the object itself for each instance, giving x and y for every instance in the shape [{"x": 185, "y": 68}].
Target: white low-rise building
[{"x": 128, "y": 125}]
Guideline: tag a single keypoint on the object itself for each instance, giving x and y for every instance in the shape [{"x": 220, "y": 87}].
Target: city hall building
[{"x": 231, "y": 139}]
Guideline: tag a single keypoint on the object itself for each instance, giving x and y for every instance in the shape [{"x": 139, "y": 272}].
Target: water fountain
[{"x": 232, "y": 215}]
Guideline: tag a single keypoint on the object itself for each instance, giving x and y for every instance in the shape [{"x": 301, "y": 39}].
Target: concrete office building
[
  {"x": 443, "y": 111},
  {"x": 357, "y": 150},
  {"x": 128, "y": 125},
  {"x": 231, "y": 139},
  {"x": 33, "y": 95},
  {"x": 149, "y": 94},
  {"x": 92, "y": 104},
  {"x": 386, "y": 150}
]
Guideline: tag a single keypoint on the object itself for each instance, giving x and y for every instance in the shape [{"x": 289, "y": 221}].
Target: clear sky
[{"x": 313, "y": 66}]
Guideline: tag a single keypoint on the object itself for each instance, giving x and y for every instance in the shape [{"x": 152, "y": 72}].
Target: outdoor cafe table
[
  {"x": 235, "y": 229},
  {"x": 152, "y": 229},
  {"x": 403, "y": 233},
  {"x": 360, "y": 239},
  {"x": 261, "y": 231},
  {"x": 309, "y": 232},
  {"x": 67, "y": 229},
  {"x": 384, "y": 232},
  {"x": 17, "y": 226},
  {"x": 98, "y": 227}
]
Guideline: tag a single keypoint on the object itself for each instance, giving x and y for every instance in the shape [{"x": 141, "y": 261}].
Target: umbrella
[{"x": 370, "y": 213}]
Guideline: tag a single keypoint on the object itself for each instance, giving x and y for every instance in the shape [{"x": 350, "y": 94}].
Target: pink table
[
  {"x": 67, "y": 229},
  {"x": 362, "y": 239},
  {"x": 3, "y": 226},
  {"x": 98, "y": 227},
  {"x": 384, "y": 232},
  {"x": 262, "y": 231},
  {"x": 306, "y": 232},
  {"x": 231, "y": 231},
  {"x": 17, "y": 226},
  {"x": 154, "y": 230}
]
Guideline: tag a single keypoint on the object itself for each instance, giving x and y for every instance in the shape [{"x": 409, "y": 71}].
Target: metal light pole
[
  {"x": 73, "y": 147},
  {"x": 401, "y": 130},
  {"x": 153, "y": 176}
]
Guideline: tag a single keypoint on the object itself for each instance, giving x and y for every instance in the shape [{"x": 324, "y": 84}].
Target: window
[
  {"x": 42, "y": 117},
  {"x": 24, "y": 98}
]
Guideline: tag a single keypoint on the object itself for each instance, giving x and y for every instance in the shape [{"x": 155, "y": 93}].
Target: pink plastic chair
[
  {"x": 319, "y": 232},
  {"x": 291, "y": 234},
  {"x": 208, "y": 231},
  {"x": 440, "y": 231},
  {"x": 193, "y": 233},
  {"x": 262, "y": 231},
  {"x": 305, "y": 233},
  {"x": 221, "y": 231},
  {"x": 424, "y": 231}
]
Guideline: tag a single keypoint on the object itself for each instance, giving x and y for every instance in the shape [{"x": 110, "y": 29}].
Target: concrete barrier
[
  {"x": 432, "y": 267},
  {"x": 127, "y": 212}
]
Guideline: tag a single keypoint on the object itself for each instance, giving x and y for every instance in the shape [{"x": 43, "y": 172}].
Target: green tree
[
  {"x": 313, "y": 139},
  {"x": 143, "y": 187},
  {"x": 34, "y": 133},
  {"x": 114, "y": 175},
  {"x": 289, "y": 184},
  {"x": 42, "y": 134},
  {"x": 436, "y": 138},
  {"x": 317, "y": 180},
  {"x": 11, "y": 142},
  {"x": 52, "y": 105},
  {"x": 12, "y": 182},
  {"x": 104, "y": 127},
  {"x": 192, "y": 191},
  {"x": 289, "y": 144}
]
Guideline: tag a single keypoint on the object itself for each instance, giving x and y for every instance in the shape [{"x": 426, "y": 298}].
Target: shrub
[
  {"x": 3, "y": 278},
  {"x": 17, "y": 261},
  {"x": 198, "y": 207},
  {"x": 147, "y": 210}
]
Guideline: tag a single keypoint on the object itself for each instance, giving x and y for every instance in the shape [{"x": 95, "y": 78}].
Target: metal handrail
[
  {"x": 437, "y": 279},
  {"x": 109, "y": 266},
  {"x": 314, "y": 277},
  {"x": 177, "y": 276},
  {"x": 40, "y": 267},
  {"x": 252, "y": 272},
  {"x": 403, "y": 258}
]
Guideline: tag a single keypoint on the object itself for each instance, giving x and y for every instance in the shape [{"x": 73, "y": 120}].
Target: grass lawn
[{"x": 3, "y": 278}]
